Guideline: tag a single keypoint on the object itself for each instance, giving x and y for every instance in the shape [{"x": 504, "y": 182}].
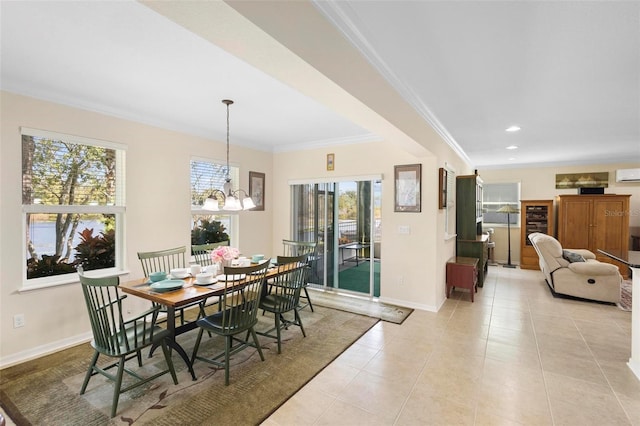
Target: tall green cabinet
[{"x": 470, "y": 241}]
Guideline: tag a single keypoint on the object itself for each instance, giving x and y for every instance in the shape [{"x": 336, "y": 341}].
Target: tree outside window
[{"x": 72, "y": 197}]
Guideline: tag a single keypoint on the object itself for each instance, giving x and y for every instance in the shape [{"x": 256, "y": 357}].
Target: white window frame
[
  {"x": 234, "y": 225},
  {"x": 450, "y": 209},
  {"x": 118, "y": 210}
]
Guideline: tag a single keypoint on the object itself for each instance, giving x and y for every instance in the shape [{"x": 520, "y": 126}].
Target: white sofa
[{"x": 576, "y": 272}]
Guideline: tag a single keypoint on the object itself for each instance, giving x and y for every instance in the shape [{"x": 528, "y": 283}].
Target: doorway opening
[{"x": 344, "y": 218}]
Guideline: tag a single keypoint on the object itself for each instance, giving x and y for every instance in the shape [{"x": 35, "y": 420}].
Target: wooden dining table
[{"x": 189, "y": 294}]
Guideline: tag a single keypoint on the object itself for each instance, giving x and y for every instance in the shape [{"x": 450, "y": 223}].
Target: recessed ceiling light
[
  {"x": 512, "y": 159},
  {"x": 512, "y": 129},
  {"x": 512, "y": 147}
]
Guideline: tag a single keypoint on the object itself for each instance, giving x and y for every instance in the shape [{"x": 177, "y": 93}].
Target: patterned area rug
[
  {"x": 625, "y": 295},
  {"x": 46, "y": 391}
]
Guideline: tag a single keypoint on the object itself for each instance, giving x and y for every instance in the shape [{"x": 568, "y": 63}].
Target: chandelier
[{"x": 230, "y": 199}]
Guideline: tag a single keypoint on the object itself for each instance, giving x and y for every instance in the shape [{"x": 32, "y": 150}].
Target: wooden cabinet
[
  {"x": 470, "y": 240},
  {"x": 595, "y": 222},
  {"x": 477, "y": 248},
  {"x": 535, "y": 216},
  {"x": 468, "y": 206},
  {"x": 462, "y": 272}
]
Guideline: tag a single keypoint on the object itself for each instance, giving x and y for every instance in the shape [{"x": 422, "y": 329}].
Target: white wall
[
  {"x": 158, "y": 213},
  {"x": 540, "y": 184}
]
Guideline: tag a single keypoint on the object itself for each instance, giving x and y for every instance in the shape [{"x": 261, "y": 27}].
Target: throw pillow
[{"x": 572, "y": 257}]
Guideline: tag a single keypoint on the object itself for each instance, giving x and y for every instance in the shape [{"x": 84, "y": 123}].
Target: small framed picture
[
  {"x": 331, "y": 161},
  {"x": 442, "y": 188},
  {"x": 407, "y": 188},
  {"x": 256, "y": 189}
]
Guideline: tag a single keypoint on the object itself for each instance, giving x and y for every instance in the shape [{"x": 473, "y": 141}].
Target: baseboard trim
[{"x": 40, "y": 351}]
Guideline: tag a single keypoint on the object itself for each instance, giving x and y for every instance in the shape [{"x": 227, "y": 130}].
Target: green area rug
[
  {"x": 45, "y": 391},
  {"x": 357, "y": 278}
]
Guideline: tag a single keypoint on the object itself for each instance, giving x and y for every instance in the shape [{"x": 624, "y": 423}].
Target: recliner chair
[{"x": 576, "y": 272}]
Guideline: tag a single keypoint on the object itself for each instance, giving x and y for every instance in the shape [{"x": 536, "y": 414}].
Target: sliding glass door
[{"x": 344, "y": 218}]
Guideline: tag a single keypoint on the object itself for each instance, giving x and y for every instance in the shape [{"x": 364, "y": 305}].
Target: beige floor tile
[
  {"x": 516, "y": 356},
  {"x": 571, "y": 413},
  {"x": 515, "y": 403},
  {"x": 570, "y": 366},
  {"x": 358, "y": 355},
  {"x": 382, "y": 396},
  {"x": 304, "y": 408},
  {"x": 498, "y": 374},
  {"x": 386, "y": 364},
  {"x": 334, "y": 378},
  {"x": 524, "y": 339},
  {"x": 565, "y": 346},
  {"x": 485, "y": 418},
  {"x": 632, "y": 407},
  {"x": 513, "y": 356},
  {"x": 342, "y": 413},
  {"x": 424, "y": 407}
]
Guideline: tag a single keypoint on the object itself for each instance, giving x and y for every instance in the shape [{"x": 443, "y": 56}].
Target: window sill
[{"x": 44, "y": 283}]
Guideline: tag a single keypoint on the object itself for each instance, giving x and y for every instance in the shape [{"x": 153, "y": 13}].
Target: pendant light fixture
[{"x": 231, "y": 199}]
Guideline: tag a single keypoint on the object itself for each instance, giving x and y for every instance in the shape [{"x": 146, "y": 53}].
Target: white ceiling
[{"x": 568, "y": 73}]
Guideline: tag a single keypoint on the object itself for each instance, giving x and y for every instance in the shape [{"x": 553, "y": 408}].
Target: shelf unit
[
  {"x": 470, "y": 240},
  {"x": 536, "y": 216}
]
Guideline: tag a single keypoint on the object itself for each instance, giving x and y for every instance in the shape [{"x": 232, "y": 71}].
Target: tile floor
[{"x": 515, "y": 356}]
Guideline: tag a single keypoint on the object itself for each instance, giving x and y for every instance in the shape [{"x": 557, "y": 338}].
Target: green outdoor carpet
[
  {"x": 45, "y": 391},
  {"x": 357, "y": 278}
]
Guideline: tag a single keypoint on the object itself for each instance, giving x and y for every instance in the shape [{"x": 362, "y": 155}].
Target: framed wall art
[
  {"x": 407, "y": 188},
  {"x": 256, "y": 189},
  {"x": 331, "y": 158},
  {"x": 442, "y": 188}
]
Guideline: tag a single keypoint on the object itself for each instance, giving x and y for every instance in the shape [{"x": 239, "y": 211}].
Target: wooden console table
[{"x": 462, "y": 272}]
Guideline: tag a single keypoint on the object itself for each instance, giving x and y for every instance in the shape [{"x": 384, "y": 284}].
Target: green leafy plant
[
  {"x": 47, "y": 266},
  {"x": 208, "y": 231},
  {"x": 96, "y": 252}
]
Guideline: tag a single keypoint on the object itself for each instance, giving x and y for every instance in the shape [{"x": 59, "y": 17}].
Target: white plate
[
  {"x": 236, "y": 277},
  {"x": 167, "y": 285},
  {"x": 211, "y": 281},
  {"x": 179, "y": 277}
]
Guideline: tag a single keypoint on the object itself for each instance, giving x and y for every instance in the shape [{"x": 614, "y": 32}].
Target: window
[
  {"x": 205, "y": 226},
  {"x": 497, "y": 195},
  {"x": 73, "y": 206},
  {"x": 450, "y": 210}
]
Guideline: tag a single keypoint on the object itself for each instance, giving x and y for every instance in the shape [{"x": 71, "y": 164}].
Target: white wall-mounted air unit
[{"x": 628, "y": 175}]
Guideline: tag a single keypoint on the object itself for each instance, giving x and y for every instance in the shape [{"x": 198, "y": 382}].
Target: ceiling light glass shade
[
  {"x": 211, "y": 203},
  {"x": 231, "y": 203},
  {"x": 248, "y": 203}
]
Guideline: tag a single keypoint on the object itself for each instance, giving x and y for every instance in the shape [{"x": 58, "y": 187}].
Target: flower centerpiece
[{"x": 224, "y": 255}]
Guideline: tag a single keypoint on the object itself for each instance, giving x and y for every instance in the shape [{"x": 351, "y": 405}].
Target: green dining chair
[
  {"x": 310, "y": 248},
  {"x": 115, "y": 337},
  {"x": 202, "y": 252},
  {"x": 165, "y": 261},
  {"x": 239, "y": 305},
  {"x": 284, "y": 295}
]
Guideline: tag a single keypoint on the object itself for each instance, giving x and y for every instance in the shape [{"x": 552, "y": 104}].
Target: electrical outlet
[
  {"x": 18, "y": 320},
  {"x": 400, "y": 280}
]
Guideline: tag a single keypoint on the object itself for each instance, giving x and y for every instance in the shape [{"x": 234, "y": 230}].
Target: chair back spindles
[
  {"x": 202, "y": 252},
  {"x": 162, "y": 260}
]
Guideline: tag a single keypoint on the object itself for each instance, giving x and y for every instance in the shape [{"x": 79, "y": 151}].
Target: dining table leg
[{"x": 171, "y": 341}]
